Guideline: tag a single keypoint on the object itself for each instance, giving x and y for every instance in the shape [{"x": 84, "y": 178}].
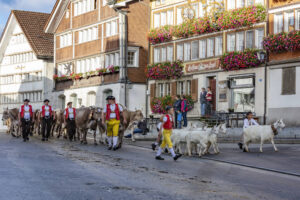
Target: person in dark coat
[
  {"x": 203, "y": 102},
  {"x": 177, "y": 109}
]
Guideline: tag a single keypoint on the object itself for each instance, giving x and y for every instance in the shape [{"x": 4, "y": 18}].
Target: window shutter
[
  {"x": 152, "y": 91},
  {"x": 194, "y": 89},
  {"x": 288, "y": 81},
  {"x": 174, "y": 89}
]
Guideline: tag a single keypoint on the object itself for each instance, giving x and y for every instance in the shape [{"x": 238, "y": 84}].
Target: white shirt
[
  {"x": 71, "y": 114},
  {"x": 26, "y": 111},
  {"x": 47, "y": 110},
  {"x": 112, "y": 108},
  {"x": 165, "y": 118},
  {"x": 250, "y": 122}
]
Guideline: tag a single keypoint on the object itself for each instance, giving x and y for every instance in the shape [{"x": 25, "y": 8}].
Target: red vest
[
  {"x": 23, "y": 111},
  {"x": 44, "y": 111},
  {"x": 108, "y": 112},
  {"x": 67, "y": 113},
  {"x": 168, "y": 124}
]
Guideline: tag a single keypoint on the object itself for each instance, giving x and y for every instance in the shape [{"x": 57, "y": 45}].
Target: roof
[
  {"x": 32, "y": 24},
  {"x": 51, "y": 14}
]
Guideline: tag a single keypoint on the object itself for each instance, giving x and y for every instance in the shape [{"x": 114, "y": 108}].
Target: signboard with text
[{"x": 202, "y": 66}]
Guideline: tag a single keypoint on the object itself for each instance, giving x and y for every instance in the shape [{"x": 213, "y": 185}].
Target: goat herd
[{"x": 197, "y": 136}]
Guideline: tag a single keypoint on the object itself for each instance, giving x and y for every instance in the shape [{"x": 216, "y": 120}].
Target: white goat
[
  {"x": 204, "y": 139},
  {"x": 261, "y": 133}
]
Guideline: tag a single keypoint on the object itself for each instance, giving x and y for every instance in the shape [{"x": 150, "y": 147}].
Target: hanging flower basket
[
  {"x": 282, "y": 42},
  {"x": 240, "y": 60},
  {"x": 166, "y": 70}
]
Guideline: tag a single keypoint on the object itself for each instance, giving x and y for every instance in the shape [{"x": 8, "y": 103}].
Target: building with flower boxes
[
  {"x": 217, "y": 43},
  {"x": 26, "y": 60},
  {"x": 283, "y": 46},
  {"x": 100, "y": 49}
]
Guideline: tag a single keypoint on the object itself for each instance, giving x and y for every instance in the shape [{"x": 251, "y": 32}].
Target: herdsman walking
[
  {"x": 47, "y": 115},
  {"x": 26, "y": 117},
  {"x": 69, "y": 119},
  {"x": 112, "y": 116},
  {"x": 167, "y": 132}
]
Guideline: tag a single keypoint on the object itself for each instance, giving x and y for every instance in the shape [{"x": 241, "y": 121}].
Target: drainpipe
[
  {"x": 266, "y": 76},
  {"x": 123, "y": 51}
]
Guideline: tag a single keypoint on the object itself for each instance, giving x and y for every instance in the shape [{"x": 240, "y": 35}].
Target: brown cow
[
  {"x": 36, "y": 128},
  {"x": 12, "y": 115},
  {"x": 83, "y": 122},
  {"x": 96, "y": 123},
  {"x": 58, "y": 124},
  {"x": 130, "y": 116}
]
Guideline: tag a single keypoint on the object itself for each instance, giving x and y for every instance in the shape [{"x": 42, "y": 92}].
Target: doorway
[{"x": 212, "y": 85}]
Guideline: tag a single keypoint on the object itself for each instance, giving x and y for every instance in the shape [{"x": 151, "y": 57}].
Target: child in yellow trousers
[
  {"x": 167, "y": 132},
  {"x": 112, "y": 132}
]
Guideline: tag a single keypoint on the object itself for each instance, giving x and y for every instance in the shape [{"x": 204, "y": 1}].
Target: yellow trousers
[
  {"x": 166, "y": 139},
  {"x": 113, "y": 127}
]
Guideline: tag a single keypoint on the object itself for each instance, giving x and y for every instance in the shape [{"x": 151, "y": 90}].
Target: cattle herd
[{"x": 197, "y": 136}]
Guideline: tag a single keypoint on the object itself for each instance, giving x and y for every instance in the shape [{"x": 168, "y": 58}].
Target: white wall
[{"x": 276, "y": 100}]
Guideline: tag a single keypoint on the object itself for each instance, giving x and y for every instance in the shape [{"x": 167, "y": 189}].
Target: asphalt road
[{"x": 62, "y": 170}]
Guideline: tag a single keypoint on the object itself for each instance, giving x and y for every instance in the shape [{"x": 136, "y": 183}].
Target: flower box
[
  {"x": 240, "y": 60},
  {"x": 164, "y": 71},
  {"x": 282, "y": 42},
  {"x": 241, "y": 17}
]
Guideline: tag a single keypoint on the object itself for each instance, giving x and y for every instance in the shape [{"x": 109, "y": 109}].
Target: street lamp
[{"x": 262, "y": 56}]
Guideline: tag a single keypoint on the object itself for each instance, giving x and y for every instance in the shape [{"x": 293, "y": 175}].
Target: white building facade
[{"x": 26, "y": 69}]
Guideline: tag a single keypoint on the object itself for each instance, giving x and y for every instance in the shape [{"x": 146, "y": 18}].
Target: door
[{"x": 212, "y": 85}]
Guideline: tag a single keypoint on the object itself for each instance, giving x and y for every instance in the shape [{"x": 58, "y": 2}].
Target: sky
[{"x": 29, "y": 5}]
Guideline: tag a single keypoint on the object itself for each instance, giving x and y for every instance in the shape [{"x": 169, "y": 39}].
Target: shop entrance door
[{"x": 212, "y": 85}]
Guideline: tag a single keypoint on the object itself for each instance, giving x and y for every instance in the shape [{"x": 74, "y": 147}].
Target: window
[
  {"x": 240, "y": 40},
  {"x": 161, "y": 89},
  {"x": 111, "y": 28},
  {"x": 240, "y": 3},
  {"x": 243, "y": 94},
  {"x": 168, "y": 89},
  {"x": 288, "y": 81},
  {"x": 219, "y": 46},
  {"x": 230, "y": 42},
  {"x": 104, "y": 2},
  {"x": 259, "y": 38},
  {"x": 180, "y": 88},
  {"x": 179, "y": 51},
  {"x": 250, "y": 39},
  {"x": 163, "y": 20},
  {"x": 179, "y": 16},
  {"x": 188, "y": 87},
  {"x": 66, "y": 40},
  {"x": 91, "y": 99},
  {"x": 250, "y": 2},
  {"x": 170, "y": 17},
  {"x": 163, "y": 54},
  {"x": 170, "y": 53},
  {"x": 159, "y": 2},
  {"x": 195, "y": 50},
  {"x": 84, "y": 6},
  {"x": 230, "y": 4},
  {"x": 156, "y": 55},
  {"x": 297, "y": 21},
  {"x": 196, "y": 9},
  {"x": 202, "y": 49},
  {"x": 156, "y": 20},
  {"x": 289, "y": 21},
  {"x": 187, "y": 51},
  {"x": 278, "y": 23},
  {"x": 110, "y": 59},
  {"x": 210, "y": 47},
  {"x": 133, "y": 57}
]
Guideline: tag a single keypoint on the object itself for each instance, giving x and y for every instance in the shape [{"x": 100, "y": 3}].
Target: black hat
[
  {"x": 168, "y": 108},
  {"x": 46, "y": 100},
  {"x": 26, "y": 100},
  {"x": 110, "y": 98}
]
